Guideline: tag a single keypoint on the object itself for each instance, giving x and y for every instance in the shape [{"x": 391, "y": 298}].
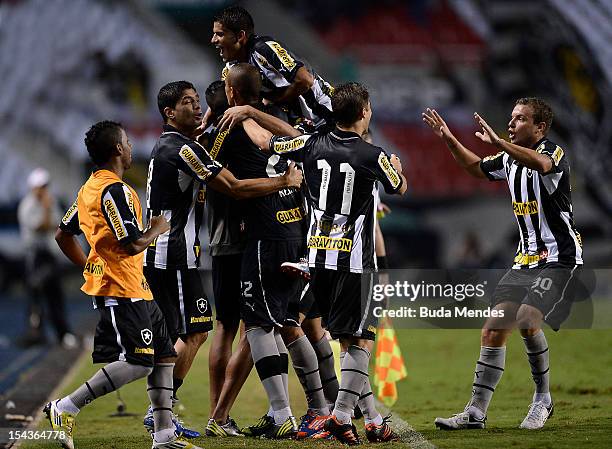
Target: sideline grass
[{"x": 440, "y": 369}]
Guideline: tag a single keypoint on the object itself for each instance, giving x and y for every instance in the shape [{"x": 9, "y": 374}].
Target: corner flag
[{"x": 389, "y": 367}]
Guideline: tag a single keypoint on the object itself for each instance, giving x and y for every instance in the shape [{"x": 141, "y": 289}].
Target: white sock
[
  {"x": 378, "y": 420},
  {"x": 342, "y": 417},
  {"x": 542, "y": 397},
  {"x": 66, "y": 405},
  {"x": 280, "y": 416},
  {"x": 475, "y": 412},
  {"x": 164, "y": 435},
  {"x": 270, "y": 412}
]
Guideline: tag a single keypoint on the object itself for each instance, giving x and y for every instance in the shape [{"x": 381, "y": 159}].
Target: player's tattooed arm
[
  {"x": 526, "y": 156},
  {"x": 237, "y": 114},
  {"x": 466, "y": 159},
  {"x": 226, "y": 183}
]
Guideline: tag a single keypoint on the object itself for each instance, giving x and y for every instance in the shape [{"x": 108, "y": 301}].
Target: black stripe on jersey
[
  {"x": 565, "y": 242},
  {"x": 518, "y": 197}
]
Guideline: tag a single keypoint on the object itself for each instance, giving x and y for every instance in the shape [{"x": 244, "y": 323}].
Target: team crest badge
[
  {"x": 147, "y": 336},
  {"x": 202, "y": 305}
]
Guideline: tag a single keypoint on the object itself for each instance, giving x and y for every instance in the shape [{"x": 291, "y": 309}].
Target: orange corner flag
[{"x": 389, "y": 367}]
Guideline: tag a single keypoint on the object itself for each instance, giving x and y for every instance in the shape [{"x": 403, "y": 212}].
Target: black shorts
[
  {"x": 181, "y": 298},
  {"x": 134, "y": 332},
  {"x": 270, "y": 297},
  {"x": 308, "y": 305},
  {"x": 550, "y": 289},
  {"x": 226, "y": 288},
  {"x": 345, "y": 302}
]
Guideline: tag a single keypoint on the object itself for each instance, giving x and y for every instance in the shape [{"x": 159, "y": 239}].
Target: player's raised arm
[
  {"x": 469, "y": 161},
  {"x": 226, "y": 183},
  {"x": 237, "y": 114},
  {"x": 301, "y": 84},
  {"x": 258, "y": 135},
  {"x": 526, "y": 156}
]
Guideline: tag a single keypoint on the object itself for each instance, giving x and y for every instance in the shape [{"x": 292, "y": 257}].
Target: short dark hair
[
  {"x": 246, "y": 80},
  {"x": 216, "y": 98},
  {"x": 348, "y": 100},
  {"x": 101, "y": 140},
  {"x": 236, "y": 18},
  {"x": 542, "y": 112},
  {"x": 170, "y": 94}
]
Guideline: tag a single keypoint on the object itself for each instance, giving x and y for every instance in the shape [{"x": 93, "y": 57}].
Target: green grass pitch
[{"x": 440, "y": 368}]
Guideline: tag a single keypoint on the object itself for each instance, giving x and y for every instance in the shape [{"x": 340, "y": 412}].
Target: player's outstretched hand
[
  {"x": 233, "y": 116},
  {"x": 487, "y": 134},
  {"x": 294, "y": 176},
  {"x": 159, "y": 224},
  {"x": 436, "y": 123},
  {"x": 397, "y": 164}
]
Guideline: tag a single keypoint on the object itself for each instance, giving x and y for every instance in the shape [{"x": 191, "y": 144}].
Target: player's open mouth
[
  {"x": 511, "y": 136},
  {"x": 199, "y": 115}
]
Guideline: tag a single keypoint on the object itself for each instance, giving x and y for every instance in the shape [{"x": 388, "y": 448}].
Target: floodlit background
[{"x": 66, "y": 64}]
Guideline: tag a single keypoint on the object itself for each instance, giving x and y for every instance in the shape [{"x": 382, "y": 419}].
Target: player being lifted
[
  {"x": 131, "y": 336},
  {"x": 539, "y": 285},
  {"x": 287, "y": 82},
  {"x": 341, "y": 171}
]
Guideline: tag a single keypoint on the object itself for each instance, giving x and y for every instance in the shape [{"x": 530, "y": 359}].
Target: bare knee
[
  {"x": 290, "y": 334},
  {"x": 529, "y": 320},
  {"x": 494, "y": 337},
  {"x": 195, "y": 340}
]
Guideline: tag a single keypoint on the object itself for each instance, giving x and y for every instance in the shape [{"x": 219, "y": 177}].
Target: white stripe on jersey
[
  {"x": 357, "y": 252},
  {"x": 337, "y": 232},
  {"x": 511, "y": 177},
  {"x": 374, "y": 211},
  {"x": 190, "y": 234},
  {"x": 114, "y": 320},
  {"x": 275, "y": 77},
  {"x": 551, "y": 181},
  {"x": 161, "y": 244},
  {"x": 532, "y": 244},
  {"x": 315, "y": 216}
]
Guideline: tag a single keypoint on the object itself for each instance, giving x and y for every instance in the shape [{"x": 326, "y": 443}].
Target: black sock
[{"x": 176, "y": 384}]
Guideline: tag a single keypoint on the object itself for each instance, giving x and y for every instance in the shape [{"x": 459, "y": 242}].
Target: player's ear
[
  {"x": 542, "y": 128},
  {"x": 168, "y": 112},
  {"x": 242, "y": 37}
]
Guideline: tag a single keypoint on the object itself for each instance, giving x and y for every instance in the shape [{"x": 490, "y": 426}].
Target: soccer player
[
  {"x": 341, "y": 171},
  {"x": 538, "y": 287},
  {"x": 131, "y": 336},
  {"x": 287, "y": 81},
  {"x": 178, "y": 170},
  {"x": 270, "y": 298},
  {"x": 227, "y": 371}
]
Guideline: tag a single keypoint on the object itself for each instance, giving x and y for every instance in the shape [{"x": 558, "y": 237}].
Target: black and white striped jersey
[
  {"x": 341, "y": 172},
  {"x": 542, "y": 205},
  {"x": 178, "y": 170},
  {"x": 278, "y": 67}
]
